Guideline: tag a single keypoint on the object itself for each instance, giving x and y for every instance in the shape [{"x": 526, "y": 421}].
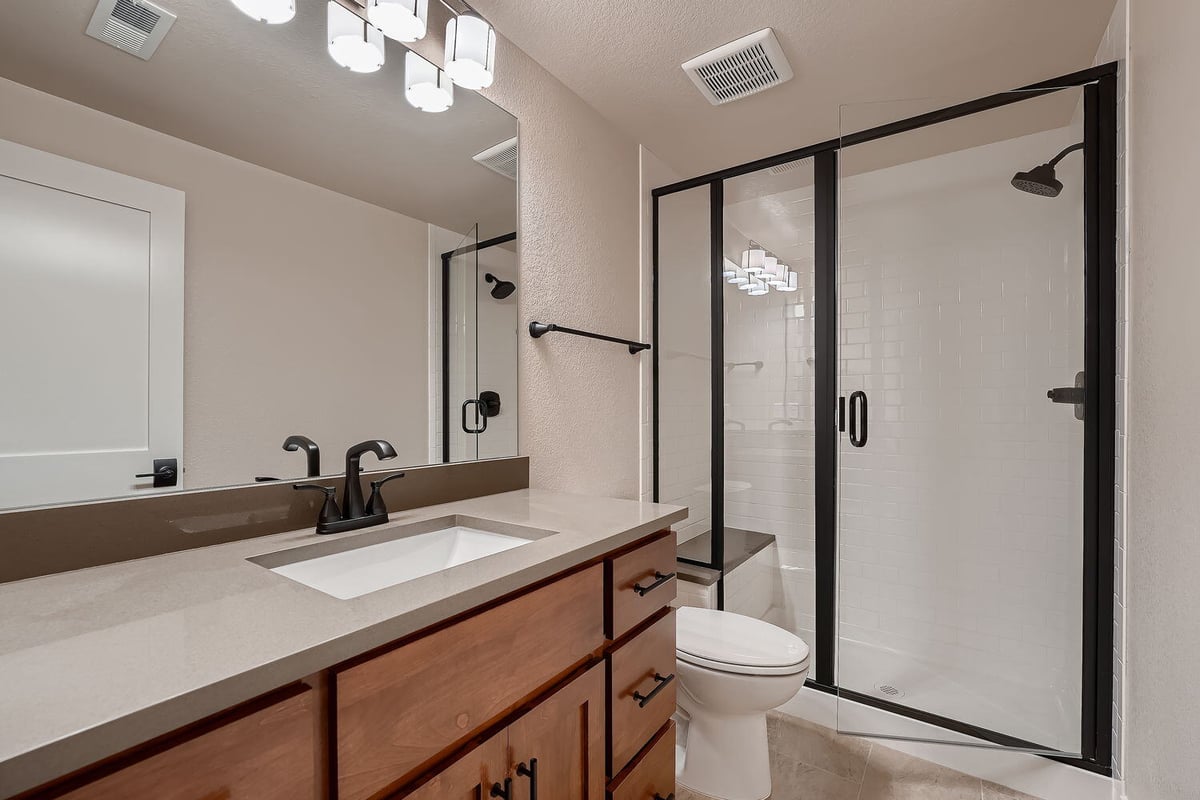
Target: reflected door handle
[
  {"x": 166, "y": 472},
  {"x": 483, "y": 417},
  {"x": 1072, "y": 395}
]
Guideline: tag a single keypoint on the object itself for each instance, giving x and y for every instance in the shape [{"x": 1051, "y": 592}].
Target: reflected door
[
  {"x": 962, "y": 299},
  {"x": 91, "y": 331},
  {"x": 466, "y": 419}
]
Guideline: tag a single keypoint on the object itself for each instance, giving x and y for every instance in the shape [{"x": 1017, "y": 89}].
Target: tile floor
[{"x": 809, "y": 762}]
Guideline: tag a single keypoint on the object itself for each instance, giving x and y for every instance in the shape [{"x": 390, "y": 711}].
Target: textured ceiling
[
  {"x": 271, "y": 95},
  {"x": 623, "y": 57}
]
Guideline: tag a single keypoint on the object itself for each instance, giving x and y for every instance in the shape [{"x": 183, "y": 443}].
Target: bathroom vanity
[{"x": 545, "y": 670}]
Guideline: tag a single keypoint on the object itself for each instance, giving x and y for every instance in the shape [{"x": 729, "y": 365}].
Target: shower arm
[{"x": 1054, "y": 161}]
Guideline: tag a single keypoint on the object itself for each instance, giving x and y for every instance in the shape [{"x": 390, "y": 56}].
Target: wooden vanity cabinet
[{"x": 564, "y": 683}]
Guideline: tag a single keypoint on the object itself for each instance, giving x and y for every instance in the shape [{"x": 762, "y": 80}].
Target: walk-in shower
[{"x": 855, "y": 342}]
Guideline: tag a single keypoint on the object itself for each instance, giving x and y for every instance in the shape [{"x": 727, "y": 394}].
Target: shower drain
[{"x": 889, "y": 690}]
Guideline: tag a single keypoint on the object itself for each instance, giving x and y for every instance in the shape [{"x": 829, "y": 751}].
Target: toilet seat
[{"x": 728, "y": 642}]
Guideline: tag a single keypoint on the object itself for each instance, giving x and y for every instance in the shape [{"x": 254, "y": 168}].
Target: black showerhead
[
  {"x": 502, "y": 289},
  {"x": 1042, "y": 180},
  {"x": 1039, "y": 180}
]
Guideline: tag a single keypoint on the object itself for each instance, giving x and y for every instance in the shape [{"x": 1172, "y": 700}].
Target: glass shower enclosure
[{"x": 885, "y": 368}]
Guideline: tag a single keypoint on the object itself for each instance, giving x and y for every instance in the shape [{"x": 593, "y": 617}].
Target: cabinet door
[
  {"x": 470, "y": 777},
  {"x": 565, "y": 734}
]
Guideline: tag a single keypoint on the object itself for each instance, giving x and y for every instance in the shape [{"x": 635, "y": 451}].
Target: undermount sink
[{"x": 369, "y": 562}]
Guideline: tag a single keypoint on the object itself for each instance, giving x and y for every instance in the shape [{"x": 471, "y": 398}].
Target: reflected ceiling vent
[
  {"x": 135, "y": 26},
  {"x": 500, "y": 158},
  {"x": 780, "y": 169},
  {"x": 741, "y": 68}
]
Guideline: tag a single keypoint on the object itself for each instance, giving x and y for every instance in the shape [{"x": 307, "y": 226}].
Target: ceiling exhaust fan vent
[
  {"x": 500, "y": 158},
  {"x": 790, "y": 166},
  {"x": 741, "y": 68},
  {"x": 135, "y": 26}
]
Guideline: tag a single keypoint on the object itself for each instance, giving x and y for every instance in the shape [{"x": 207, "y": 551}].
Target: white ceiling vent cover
[
  {"x": 135, "y": 26},
  {"x": 500, "y": 158},
  {"x": 741, "y": 68}
]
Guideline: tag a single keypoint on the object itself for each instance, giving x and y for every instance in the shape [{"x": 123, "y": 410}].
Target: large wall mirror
[{"x": 236, "y": 244}]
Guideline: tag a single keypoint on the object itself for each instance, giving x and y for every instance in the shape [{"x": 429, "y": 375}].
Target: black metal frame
[
  {"x": 1099, "y": 86},
  {"x": 446, "y": 258}
]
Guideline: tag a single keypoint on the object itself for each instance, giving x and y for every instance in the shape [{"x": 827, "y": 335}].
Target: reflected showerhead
[
  {"x": 1041, "y": 180},
  {"x": 502, "y": 289}
]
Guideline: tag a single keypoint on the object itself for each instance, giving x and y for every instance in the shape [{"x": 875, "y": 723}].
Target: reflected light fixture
[
  {"x": 402, "y": 20},
  {"x": 739, "y": 278},
  {"x": 425, "y": 86},
  {"x": 470, "y": 51},
  {"x": 273, "y": 12},
  {"x": 754, "y": 258},
  {"x": 791, "y": 283},
  {"x": 758, "y": 288},
  {"x": 779, "y": 277},
  {"x": 730, "y": 270},
  {"x": 353, "y": 42}
]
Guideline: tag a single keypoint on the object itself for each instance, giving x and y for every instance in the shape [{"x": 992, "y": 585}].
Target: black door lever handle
[{"x": 166, "y": 472}]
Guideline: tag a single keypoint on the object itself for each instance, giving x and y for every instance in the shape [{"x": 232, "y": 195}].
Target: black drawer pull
[
  {"x": 662, "y": 681},
  {"x": 659, "y": 580},
  {"x": 503, "y": 791},
  {"x": 658, "y": 796},
  {"x": 531, "y": 773}
]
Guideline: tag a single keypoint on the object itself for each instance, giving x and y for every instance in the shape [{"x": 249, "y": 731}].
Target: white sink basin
[{"x": 371, "y": 567}]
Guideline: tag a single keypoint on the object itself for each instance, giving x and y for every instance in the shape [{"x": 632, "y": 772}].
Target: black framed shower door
[{"x": 1098, "y": 87}]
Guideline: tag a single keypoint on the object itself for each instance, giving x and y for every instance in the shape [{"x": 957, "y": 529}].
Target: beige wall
[
  {"x": 1163, "y": 603},
  {"x": 279, "y": 276},
  {"x": 578, "y": 250}
]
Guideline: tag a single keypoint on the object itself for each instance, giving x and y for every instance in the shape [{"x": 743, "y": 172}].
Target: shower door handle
[
  {"x": 858, "y": 419},
  {"x": 1072, "y": 395},
  {"x": 483, "y": 417}
]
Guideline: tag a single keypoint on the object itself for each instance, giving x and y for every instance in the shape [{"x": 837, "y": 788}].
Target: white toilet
[{"x": 732, "y": 670}]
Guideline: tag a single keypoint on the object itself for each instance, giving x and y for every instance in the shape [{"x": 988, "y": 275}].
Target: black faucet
[
  {"x": 297, "y": 442},
  {"x": 353, "y": 514},
  {"x": 352, "y": 498}
]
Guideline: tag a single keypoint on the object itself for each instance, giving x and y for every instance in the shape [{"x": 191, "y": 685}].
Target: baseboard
[{"x": 1024, "y": 772}]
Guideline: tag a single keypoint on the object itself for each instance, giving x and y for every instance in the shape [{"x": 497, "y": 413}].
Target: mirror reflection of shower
[
  {"x": 502, "y": 289},
  {"x": 1041, "y": 180}
]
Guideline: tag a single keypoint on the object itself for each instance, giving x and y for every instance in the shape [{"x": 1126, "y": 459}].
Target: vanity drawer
[
  {"x": 652, "y": 775},
  {"x": 639, "y": 585},
  {"x": 641, "y": 689},
  {"x": 398, "y": 713},
  {"x": 268, "y": 754}
]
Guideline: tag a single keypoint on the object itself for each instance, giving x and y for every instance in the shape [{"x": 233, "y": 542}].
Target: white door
[{"x": 91, "y": 330}]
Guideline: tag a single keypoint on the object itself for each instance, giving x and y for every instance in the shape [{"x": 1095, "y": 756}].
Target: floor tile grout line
[{"x": 866, "y": 766}]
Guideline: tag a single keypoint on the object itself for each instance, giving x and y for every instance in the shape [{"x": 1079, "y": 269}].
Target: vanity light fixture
[
  {"x": 272, "y": 12},
  {"x": 425, "y": 86},
  {"x": 754, "y": 258},
  {"x": 791, "y": 283},
  {"x": 739, "y": 278},
  {"x": 402, "y": 20},
  {"x": 759, "y": 288},
  {"x": 780, "y": 276},
  {"x": 353, "y": 42},
  {"x": 470, "y": 51}
]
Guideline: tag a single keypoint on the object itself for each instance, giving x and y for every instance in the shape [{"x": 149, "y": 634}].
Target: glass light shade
[
  {"x": 758, "y": 288},
  {"x": 730, "y": 270},
  {"x": 740, "y": 278},
  {"x": 353, "y": 42},
  {"x": 470, "y": 52},
  {"x": 769, "y": 264},
  {"x": 402, "y": 20},
  {"x": 273, "y": 12},
  {"x": 753, "y": 259},
  {"x": 425, "y": 86},
  {"x": 791, "y": 283},
  {"x": 780, "y": 276}
]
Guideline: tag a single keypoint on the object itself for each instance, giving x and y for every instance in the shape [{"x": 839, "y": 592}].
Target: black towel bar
[{"x": 539, "y": 329}]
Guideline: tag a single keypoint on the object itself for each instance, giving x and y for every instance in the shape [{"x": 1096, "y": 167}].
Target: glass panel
[
  {"x": 462, "y": 287},
  {"x": 961, "y": 303},
  {"x": 496, "y": 345},
  {"x": 770, "y": 522},
  {"x": 685, "y": 366}
]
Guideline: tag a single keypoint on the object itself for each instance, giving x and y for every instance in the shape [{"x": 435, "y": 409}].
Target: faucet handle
[
  {"x": 376, "y": 505},
  {"x": 329, "y": 511}
]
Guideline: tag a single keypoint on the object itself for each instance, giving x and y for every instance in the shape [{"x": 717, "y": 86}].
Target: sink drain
[{"x": 888, "y": 690}]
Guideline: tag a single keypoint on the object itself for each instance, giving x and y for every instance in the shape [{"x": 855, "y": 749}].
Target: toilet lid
[{"x": 736, "y": 643}]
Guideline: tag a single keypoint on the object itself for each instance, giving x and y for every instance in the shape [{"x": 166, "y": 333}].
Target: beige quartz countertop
[{"x": 98, "y": 660}]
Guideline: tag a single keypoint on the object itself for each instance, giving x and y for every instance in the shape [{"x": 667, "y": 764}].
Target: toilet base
[{"x": 725, "y": 756}]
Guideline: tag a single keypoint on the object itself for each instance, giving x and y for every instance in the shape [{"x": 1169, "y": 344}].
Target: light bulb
[
  {"x": 470, "y": 52},
  {"x": 353, "y": 42},
  {"x": 273, "y": 12},
  {"x": 425, "y": 86},
  {"x": 402, "y": 20}
]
